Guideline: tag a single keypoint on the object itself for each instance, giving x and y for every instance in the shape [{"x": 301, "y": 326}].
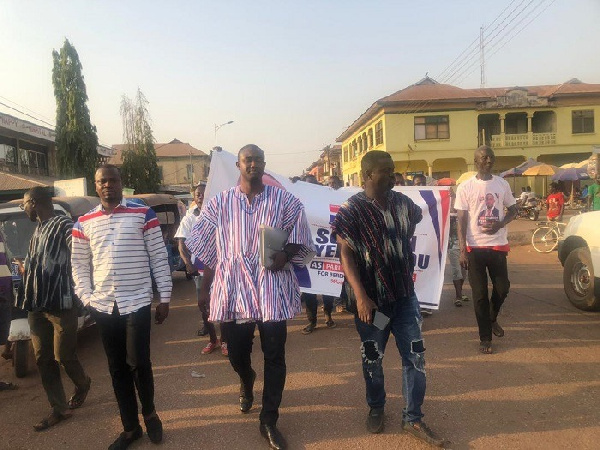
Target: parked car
[{"x": 579, "y": 253}]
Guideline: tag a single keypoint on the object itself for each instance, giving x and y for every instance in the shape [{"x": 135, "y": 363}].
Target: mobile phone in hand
[{"x": 380, "y": 320}]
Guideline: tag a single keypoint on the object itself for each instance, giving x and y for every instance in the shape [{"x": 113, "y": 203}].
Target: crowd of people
[{"x": 109, "y": 260}]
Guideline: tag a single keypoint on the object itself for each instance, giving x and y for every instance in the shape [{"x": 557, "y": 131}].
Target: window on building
[
  {"x": 432, "y": 127},
  {"x": 160, "y": 173},
  {"x": 583, "y": 121},
  {"x": 354, "y": 149},
  {"x": 8, "y": 154},
  {"x": 370, "y": 138},
  {"x": 345, "y": 153},
  {"x": 189, "y": 170},
  {"x": 379, "y": 133},
  {"x": 365, "y": 144}
]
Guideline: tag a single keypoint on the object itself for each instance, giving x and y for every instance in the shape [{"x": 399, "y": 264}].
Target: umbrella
[
  {"x": 541, "y": 170},
  {"x": 570, "y": 174},
  {"x": 465, "y": 176},
  {"x": 518, "y": 171},
  {"x": 579, "y": 165},
  {"x": 446, "y": 182}
]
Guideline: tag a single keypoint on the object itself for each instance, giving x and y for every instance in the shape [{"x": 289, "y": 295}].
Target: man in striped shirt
[
  {"x": 117, "y": 248},
  {"x": 244, "y": 293},
  {"x": 52, "y": 307}
]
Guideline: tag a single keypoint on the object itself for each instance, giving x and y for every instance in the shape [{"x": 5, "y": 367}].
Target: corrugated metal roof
[{"x": 19, "y": 182}]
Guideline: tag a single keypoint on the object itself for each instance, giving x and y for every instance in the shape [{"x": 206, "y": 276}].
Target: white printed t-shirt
[
  {"x": 485, "y": 201},
  {"x": 186, "y": 224}
]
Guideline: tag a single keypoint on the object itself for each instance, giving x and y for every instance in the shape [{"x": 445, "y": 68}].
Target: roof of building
[
  {"x": 20, "y": 182},
  {"x": 172, "y": 149},
  {"x": 427, "y": 90}
]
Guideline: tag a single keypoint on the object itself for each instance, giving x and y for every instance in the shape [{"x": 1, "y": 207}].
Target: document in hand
[{"x": 271, "y": 241}]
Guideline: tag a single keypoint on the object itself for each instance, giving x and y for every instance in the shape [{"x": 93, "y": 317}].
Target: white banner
[{"x": 324, "y": 274}]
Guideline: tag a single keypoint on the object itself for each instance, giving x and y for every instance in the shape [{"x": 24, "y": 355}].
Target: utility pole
[{"x": 482, "y": 56}]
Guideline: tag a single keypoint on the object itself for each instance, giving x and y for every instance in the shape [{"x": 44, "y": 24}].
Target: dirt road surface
[{"x": 540, "y": 389}]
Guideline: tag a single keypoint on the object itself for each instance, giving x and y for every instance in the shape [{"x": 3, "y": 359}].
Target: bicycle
[{"x": 545, "y": 237}]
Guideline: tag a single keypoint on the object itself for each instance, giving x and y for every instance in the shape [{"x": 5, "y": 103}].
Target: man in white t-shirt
[
  {"x": 480, "y": 204},
  {"x": 193, "y": 266}
]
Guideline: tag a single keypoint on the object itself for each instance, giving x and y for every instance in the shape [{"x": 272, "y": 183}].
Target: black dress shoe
[
  {"x": 272, "y": 434},
  {"x": 154, "y": 428},
  {"x": 247, "y": 394},
  {"x": 125, "y": 440}
]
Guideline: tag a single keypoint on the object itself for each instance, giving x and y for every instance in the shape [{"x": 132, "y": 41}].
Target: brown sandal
[
  {"x": 485, "y": 347},
  {"x": 77, "y": 399},
  {"x": 4, "y": 386},
  {"x": 51, "y": 420}
]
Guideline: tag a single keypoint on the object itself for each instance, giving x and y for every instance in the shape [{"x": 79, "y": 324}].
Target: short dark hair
[
  {"x": 41, "y": 195},
  {"x": 372, "y": 159},
  {"x": 419, "y": 175},
  {"x": 109, "y": 167},
  {"x": 250, "y": 147},
  {"x": 486, "y": 148}
]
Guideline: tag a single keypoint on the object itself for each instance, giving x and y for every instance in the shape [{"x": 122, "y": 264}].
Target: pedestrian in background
[
  {"x": 458, "y": 272},
  {"x": 480, "y": 204},
  {"x": 52, "y": 307},
  {"x": 374, "y": 229},
  {"x": 246, "y": 294},
  {"x": 117, "y": 249},
  {"x": 555, "y": 203},
  {"x": 193, "y": 266}
]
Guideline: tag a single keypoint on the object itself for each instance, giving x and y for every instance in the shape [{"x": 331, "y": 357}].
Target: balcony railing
[
  {"x": 544, "y": 138},
  {"x": 522, "y": 139}
]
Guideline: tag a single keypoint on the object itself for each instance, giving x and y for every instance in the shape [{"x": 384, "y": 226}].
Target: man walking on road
[
  {"x": 192, "y": 265},
  {"x": 52, "y": 306},
  {"x": 117, "y": 248},
  {"x": 484, "y": 242},
  {"x": 245, "y": 294},
  {"x": 374, "y": 229}
]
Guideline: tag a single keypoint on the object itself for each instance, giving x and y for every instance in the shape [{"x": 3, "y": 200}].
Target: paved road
[{"x": 540, "y": 389}]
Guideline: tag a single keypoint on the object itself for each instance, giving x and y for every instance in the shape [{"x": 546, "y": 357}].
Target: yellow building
[{"x": 434, "y": 128}]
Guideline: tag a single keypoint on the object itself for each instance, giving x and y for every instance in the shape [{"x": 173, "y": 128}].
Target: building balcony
[{"x": 523, "y": 139}]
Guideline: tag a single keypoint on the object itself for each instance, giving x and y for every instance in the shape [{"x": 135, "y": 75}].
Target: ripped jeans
[{"x": 405, "y": 325}]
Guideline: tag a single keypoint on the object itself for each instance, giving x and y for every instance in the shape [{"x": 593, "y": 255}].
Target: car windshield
[{"x": 17, "y": 230}]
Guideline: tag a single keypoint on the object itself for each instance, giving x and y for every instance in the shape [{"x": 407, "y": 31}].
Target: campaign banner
[{"x": 324, "y": 274}]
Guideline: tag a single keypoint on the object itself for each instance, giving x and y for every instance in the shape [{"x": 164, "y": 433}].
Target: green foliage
[
  {"x": 76, "y": 138},
  {"x": 139, "y": 170}
]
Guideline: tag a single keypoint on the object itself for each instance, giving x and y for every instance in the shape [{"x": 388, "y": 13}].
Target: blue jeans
[{"x": 405, "y": 325}]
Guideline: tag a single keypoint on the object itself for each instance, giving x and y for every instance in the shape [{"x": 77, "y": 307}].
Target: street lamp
[{"x": 218, "y": 127}]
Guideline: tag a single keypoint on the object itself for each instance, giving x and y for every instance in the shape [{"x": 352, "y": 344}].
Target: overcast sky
[{"x": 292, "y": 75}]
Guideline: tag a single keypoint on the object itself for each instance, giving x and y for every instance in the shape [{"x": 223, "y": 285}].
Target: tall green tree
[
  {"x": 76, "y": 138},
  {"x": 139, "y": 170}
]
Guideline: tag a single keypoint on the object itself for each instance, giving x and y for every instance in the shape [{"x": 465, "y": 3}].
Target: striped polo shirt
[{"x": 114, "y": 256}]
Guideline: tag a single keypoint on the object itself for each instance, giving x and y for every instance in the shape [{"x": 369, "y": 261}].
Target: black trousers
[
  {"x": 272, "y": 341},
  {"x": 481, "y": 262},
  {"x": 126, "y": 340},
  {"x": 311, "y": 302}
]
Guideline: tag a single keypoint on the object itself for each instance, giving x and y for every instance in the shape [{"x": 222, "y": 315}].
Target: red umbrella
[{"x": 446, "y": 182}]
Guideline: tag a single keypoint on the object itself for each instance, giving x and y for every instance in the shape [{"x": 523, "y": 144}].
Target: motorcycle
[{"x": 529, "y": 209}]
